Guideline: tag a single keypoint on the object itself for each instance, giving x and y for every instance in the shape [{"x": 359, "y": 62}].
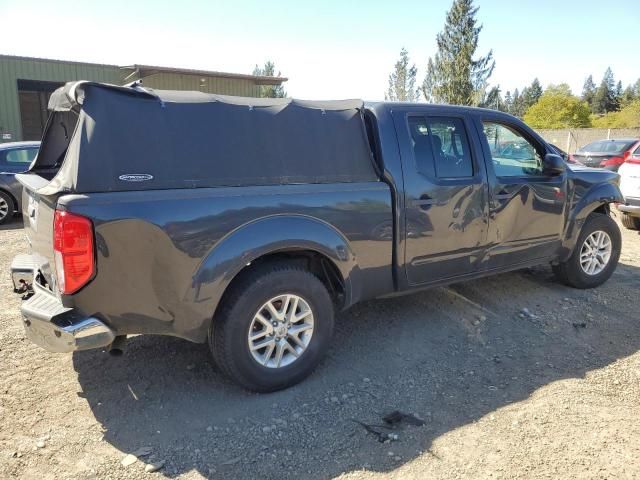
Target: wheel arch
[
  {"x": 596, "y": 200},
  {"x": 16, "y": 204},
  {"x": 294, "y": 238}
]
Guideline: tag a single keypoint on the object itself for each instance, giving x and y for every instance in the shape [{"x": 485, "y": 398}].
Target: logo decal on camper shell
[{"x": 136, "y": 177}]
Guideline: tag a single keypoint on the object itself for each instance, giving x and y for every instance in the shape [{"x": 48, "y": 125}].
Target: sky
[{"x": 330, "y": 49}]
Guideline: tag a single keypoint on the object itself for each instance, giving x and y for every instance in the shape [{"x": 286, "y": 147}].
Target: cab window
[
  {"x": 440, "y": 147},
  {"x": 511, "y": 153}
]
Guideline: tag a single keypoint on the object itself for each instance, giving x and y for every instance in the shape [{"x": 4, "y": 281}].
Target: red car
[{"x": 609, "y": 154}]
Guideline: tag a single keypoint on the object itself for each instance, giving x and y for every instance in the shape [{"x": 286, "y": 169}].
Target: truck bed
[{"x": 152, "y": 246}]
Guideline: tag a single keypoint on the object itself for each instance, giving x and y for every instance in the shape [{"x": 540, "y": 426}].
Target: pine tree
[
  {"x": 604, "y": 99},
  {"x": 402, "y": 81},
  {"x": 454, "y": 76},
  {"x": 493, "y": 100},
  {"x": 518, "y": 105},
  {"x": 589, "y": 91},
  {"x": 508, "y": 102},
  {"x": 534, "y": 92},
  {"x": 269, "y": 91},
  {"x": 617, "y": 95}
]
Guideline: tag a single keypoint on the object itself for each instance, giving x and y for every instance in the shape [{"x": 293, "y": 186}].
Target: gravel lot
[{"x": 550, "y": 391}]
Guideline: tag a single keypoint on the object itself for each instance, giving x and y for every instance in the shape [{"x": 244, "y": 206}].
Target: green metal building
[{"x": 26, "y": 84}]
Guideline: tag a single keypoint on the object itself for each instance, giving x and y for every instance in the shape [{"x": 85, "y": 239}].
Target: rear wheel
[
  {"x": 273, "y": 328},
  {"x": 7, "y": 207},
  {"x": 632, "y": 223},
  {"x": 595, "y": 256}
]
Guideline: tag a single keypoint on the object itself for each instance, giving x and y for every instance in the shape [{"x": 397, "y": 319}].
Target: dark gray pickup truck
[{"x": 247, "y": 223}]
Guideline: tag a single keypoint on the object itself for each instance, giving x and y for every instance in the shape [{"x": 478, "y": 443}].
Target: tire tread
[
  {"x": 239, "y": 293},
  {"x": 570, "y": 273}
]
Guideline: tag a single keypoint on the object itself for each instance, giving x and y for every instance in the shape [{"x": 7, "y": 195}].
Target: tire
[
  {"x": 572, "y": 272},
  {"x": 7, "y": 207},
  {"x": 237, "y": 317},
  {"x": 632, "y": 223}
]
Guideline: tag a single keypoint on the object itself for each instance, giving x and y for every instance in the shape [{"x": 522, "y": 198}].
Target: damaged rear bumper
[{"x": 48, "y": 323}]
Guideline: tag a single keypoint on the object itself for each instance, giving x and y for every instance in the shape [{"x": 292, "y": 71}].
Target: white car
[{"x": 630, "y": 187}]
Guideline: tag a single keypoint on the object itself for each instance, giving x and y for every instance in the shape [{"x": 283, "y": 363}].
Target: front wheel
[
  {"x": 273, "y": 327},
  {"x": 595, "y": 256},
  {"x": 6, "y": 207}
]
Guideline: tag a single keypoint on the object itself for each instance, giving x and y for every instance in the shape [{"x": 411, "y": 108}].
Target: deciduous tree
[
  {"x": 557, "y": 108},
  {"x": 628, "y": 117}
]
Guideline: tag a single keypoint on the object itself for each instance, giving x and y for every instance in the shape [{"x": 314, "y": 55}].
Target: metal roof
[{"x": 147, "y": 70}]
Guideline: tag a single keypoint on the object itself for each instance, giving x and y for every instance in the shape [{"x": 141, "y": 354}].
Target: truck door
[
  {"x": 446, "y": 207},
  {"x": 526, "y": 209}
]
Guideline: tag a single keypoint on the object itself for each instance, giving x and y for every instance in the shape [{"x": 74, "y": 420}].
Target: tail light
[
  {"x": 628, "y": 158},
  {"x": 73, "y": 251},
  {"x": 609, "y": 162}
]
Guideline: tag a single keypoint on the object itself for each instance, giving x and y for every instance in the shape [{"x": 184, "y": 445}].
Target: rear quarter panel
[{"x": 159, "y": 269}]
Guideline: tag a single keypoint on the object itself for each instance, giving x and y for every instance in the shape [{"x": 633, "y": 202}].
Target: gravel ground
[{"x": 515, "y": 376}]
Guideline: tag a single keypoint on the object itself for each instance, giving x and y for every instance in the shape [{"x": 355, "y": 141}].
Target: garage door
[{"x": 34, "y": 98}]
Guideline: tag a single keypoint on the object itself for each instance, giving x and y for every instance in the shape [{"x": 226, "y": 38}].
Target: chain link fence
[{"x": 570, "y": 139}]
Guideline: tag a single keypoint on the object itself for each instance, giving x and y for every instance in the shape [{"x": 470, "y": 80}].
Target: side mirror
[{"x": 553, "y": 165}]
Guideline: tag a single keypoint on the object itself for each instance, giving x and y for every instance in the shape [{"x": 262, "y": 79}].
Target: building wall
[
  {"x": 224, "y": 86},
  {"x": 14, "y": 68}
]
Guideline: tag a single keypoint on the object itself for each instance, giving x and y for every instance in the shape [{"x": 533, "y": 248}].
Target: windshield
[{"x": 608, "y": 146}]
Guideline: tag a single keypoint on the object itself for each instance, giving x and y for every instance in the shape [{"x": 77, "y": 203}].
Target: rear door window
[
  {"x": 19, "y": 156},
  {"x": 440, "y": 147}
]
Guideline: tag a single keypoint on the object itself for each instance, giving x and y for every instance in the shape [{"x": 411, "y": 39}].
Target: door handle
[
  {"x": 426, "y": 200},
  {"x": 502, "y": 195}
]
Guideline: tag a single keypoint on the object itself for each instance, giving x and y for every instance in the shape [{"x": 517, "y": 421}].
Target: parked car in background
[
  {"x": 630, "y": 188},
  {"x": 15, "y": 157},
  {"x": 609, "y": 154}
]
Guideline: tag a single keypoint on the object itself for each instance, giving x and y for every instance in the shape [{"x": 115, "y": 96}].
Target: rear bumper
[
  {"x": 631, "y": 206},
  {"x": 49, "y": 324}
]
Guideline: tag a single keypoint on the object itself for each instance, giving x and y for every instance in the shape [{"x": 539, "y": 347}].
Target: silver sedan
[{"x": 15, "y": 157}]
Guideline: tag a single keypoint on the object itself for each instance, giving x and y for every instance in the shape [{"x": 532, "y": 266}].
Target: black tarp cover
[{"x": 171, "y": 139}]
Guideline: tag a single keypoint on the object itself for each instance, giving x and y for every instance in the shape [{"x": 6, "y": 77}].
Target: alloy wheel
[
  {"x": 595, "y": 252},
  {"x": 280, "y": 331}
]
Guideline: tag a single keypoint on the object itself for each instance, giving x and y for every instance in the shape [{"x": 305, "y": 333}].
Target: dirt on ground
[{"x": 513, "y": 376}]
